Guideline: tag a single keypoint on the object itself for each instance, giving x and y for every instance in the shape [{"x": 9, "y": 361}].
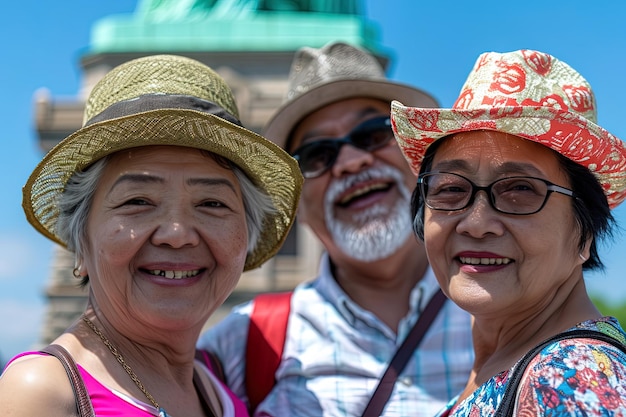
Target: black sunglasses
[{"x": 317, "y": 157}]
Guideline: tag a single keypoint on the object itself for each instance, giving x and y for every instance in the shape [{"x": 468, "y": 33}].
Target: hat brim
[
  {"x": 266, "y": 164},
  {"x": 293, "y": 111},
  {"x": 567, "y": 133}
]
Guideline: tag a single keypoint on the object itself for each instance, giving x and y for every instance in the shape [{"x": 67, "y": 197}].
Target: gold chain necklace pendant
[{"x": 127, "y": 368}]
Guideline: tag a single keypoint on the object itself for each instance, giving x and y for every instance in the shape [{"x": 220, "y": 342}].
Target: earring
[
  {"x": 76, "y": 273},
  {"x": 582, "y": 257}
]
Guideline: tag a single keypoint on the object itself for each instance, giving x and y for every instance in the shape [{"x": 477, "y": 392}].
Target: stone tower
[{"x": 250, "y": 44}]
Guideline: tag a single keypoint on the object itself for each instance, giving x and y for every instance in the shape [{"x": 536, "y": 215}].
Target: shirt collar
[{"x": 327, "y": 286}]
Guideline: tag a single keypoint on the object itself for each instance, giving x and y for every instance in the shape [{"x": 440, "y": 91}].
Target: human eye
[
  {"x": 372, "y": 136},
  {"x": 521, "y": 186},
  {"x": 136, "y": 201},
  {"x": 520, "y": 195},
  {"x": 131, "y": 205},
  {"x": 447, "y": 185},
  {"x": 216, "y": 199},
  {"x": 316, "y": 155},
  {"x": 129, "y": 199},
  {"x": 133, "y": 191},
  {"x": 213, "y": 204}
]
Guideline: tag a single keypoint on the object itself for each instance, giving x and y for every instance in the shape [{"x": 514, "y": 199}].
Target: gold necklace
[{"x": 127, "y": 368}]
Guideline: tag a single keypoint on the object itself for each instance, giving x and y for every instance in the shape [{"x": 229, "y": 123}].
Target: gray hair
[{"x": 75, "y": 203}]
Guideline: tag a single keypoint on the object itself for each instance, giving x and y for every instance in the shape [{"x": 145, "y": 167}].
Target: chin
[{"x": 471, "y": 298}]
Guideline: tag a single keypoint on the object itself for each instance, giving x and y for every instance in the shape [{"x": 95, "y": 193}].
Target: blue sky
[{"x": 434, "y": 44}]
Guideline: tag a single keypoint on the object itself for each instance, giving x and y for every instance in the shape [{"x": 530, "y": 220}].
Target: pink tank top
[{"x": 110, "y": 403}]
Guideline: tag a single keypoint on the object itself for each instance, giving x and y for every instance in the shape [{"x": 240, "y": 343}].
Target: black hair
[
  {"x": 417, "y": 204},
  {"x": 591, "y": 209}
]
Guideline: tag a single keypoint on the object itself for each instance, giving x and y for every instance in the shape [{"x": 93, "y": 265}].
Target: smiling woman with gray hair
[{"x": 165, "y": 199}]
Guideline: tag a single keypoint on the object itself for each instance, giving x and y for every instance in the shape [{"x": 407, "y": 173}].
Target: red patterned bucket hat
[{"x": 529, "y": 94}]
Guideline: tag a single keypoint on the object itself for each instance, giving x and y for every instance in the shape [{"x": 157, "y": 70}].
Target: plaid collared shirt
[{"x": 336, "y": 352}]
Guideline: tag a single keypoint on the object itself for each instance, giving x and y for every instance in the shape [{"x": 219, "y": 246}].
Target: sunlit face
[
  {"x": 359, "y": 207},
  {"x": 167, "y": 236},
  {"x": 492, "y": 263}
]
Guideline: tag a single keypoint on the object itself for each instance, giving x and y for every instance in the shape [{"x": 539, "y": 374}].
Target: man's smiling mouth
[{"x": 361, "y": 192}]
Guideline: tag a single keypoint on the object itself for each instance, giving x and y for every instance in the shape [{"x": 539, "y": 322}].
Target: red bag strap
[{"x": 264, "y": 347}]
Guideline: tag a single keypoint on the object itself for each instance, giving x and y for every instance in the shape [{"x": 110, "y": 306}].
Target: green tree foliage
[{"x": 617, "y": 310}]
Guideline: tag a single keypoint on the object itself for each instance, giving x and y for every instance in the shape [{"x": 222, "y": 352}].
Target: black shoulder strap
[
  {"x": 83, "y": 403},
  {"x": 403, "y": 354},
  {"x": 507, "y": 405}
]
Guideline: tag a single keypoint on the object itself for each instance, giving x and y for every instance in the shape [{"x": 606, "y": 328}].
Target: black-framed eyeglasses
[
  {"x": 317, "y": 157},
  {"x": 446, "y": 191}
]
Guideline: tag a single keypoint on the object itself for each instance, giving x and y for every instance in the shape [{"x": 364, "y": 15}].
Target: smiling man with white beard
[
  {"x": 377, "y": 231},
  {"x": 375, "y": 292}
]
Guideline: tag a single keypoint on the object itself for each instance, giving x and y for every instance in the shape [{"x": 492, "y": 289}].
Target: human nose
[
  {"x": 351, "y": 159},
  {"x": 480, "y": 218},
  {"x": 176, "y": 230}
]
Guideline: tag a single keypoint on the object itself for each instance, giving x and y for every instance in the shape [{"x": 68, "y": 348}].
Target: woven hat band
[{"x": 149, "y": 102}]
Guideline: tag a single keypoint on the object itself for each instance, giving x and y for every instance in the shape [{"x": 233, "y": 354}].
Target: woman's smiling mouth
[
  {"x": 484, "y": 261},
  {"x": 174, "y": 274}
]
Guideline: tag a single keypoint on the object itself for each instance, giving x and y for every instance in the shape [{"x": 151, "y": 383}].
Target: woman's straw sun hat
[{"x": 166, "y": 100}]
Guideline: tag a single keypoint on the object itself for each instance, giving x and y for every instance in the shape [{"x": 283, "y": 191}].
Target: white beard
[{"x": 377, "y": 232}]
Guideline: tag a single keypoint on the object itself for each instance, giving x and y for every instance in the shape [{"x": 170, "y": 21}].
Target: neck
[
  {"x": 383, "y": 287},
  {"x": 165, "y": 373},
  {"x": 498, "y": 344}
]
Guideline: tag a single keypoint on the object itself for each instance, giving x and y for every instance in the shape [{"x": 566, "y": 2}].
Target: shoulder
[
  {"x": 585, "y": 372},
  {"x": 236, "y": 321},
  {"x": 578, "y": 354},
  {"x": 36, "y": 376},
  {"x": 583, "y": 352},
  {"x": 226, "y": 338},
  {"x": 313, "y": 295}
]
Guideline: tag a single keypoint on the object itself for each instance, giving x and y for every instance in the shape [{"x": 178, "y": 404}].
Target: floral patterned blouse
[{"x": 567, "y": 378}]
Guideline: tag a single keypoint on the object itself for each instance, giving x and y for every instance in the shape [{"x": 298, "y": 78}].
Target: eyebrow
[
  {"x": 212, "y": 182},
  {"x": 147, "y": 179},
  {"x": 507, "y": 167}
]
